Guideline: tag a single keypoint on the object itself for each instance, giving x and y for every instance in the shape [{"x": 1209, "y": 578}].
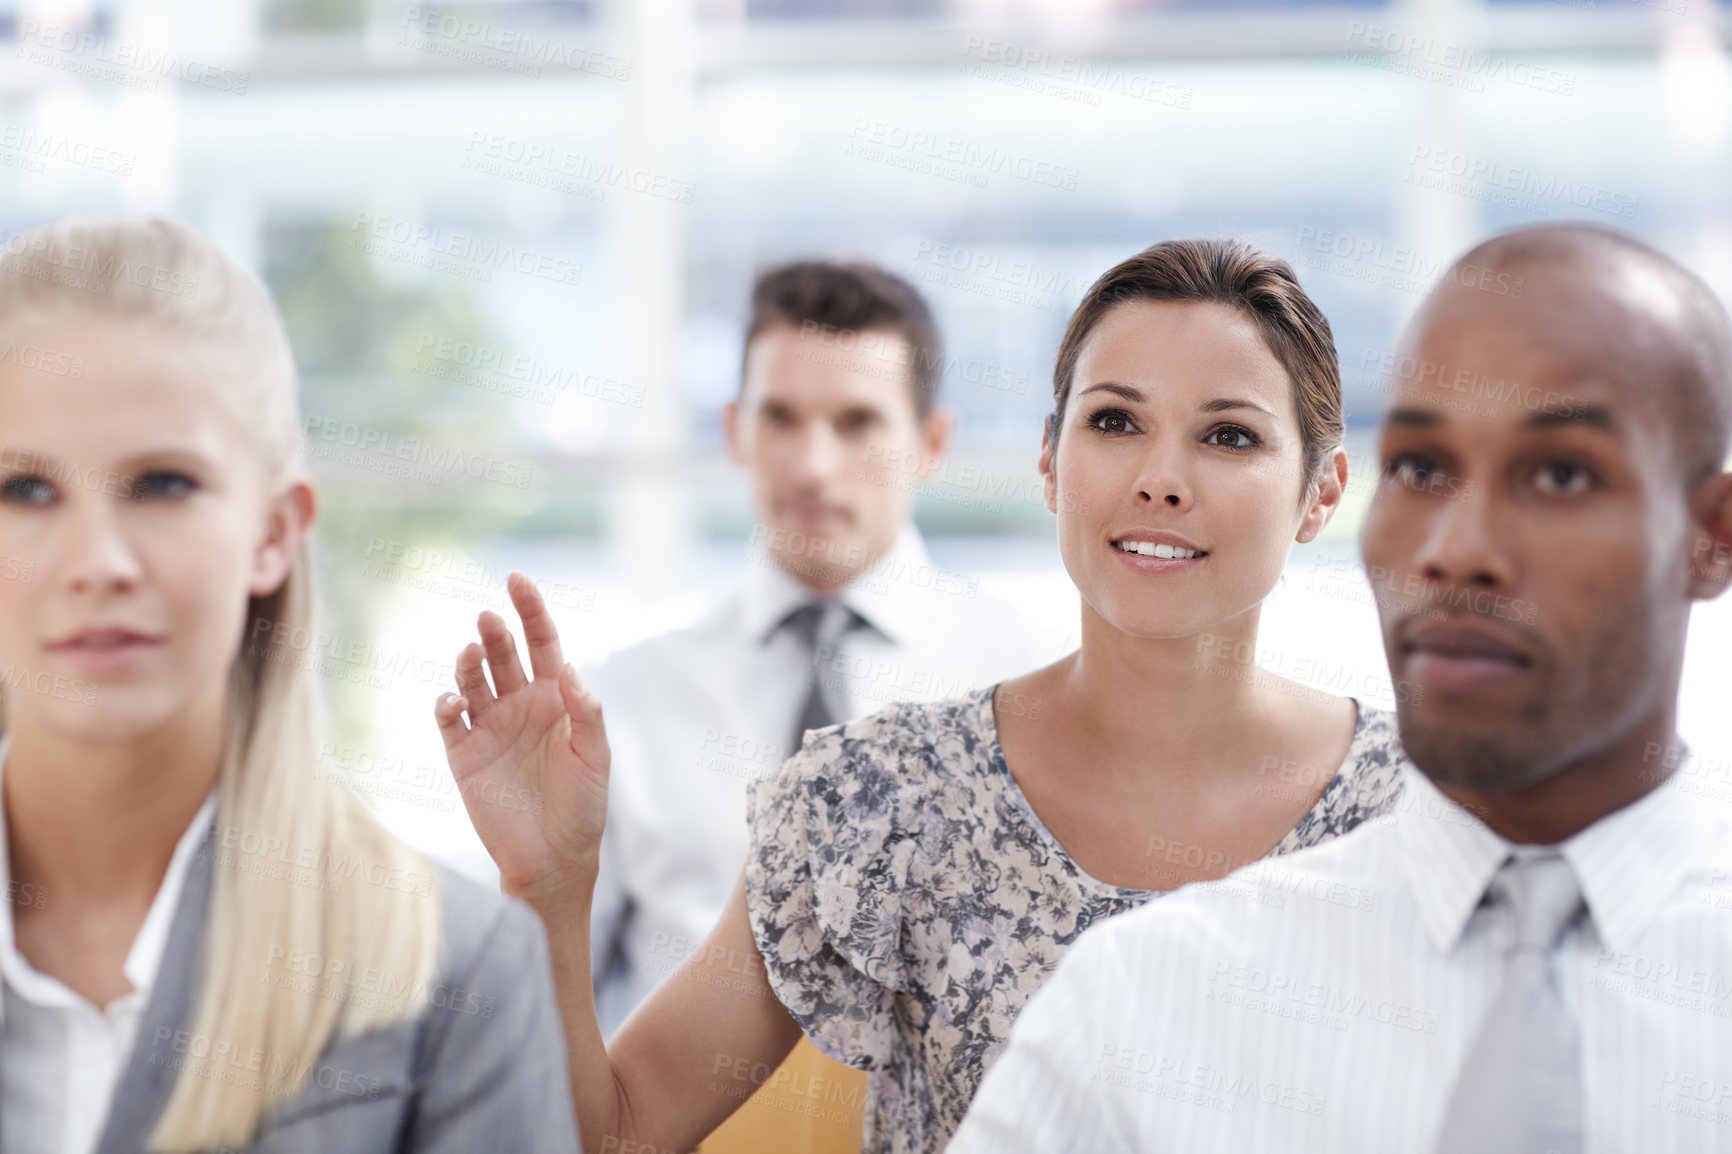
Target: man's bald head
[
  {"x": 1552, "y": 504},
  {"x": 1686, "y": 355}
]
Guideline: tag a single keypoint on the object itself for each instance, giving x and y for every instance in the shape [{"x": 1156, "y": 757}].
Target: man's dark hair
[{"x": 850, "y": 297}]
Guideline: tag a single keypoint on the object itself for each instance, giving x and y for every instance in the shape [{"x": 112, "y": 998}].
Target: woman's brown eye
[
  {"x": 1243, "y": 438},
  {"x": 1111, "y": 421}
]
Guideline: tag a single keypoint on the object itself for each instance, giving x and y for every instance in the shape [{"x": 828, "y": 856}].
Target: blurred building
[{"x": 513, "y": 241}]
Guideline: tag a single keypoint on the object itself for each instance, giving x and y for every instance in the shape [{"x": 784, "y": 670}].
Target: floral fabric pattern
[{"x": 908, "y": 901}]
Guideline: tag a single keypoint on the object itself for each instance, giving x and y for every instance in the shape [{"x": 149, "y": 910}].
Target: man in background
[{"x": 840, "y": 611}]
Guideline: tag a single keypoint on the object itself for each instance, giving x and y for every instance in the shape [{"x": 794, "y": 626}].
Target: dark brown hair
[
  {"x": 1244, "y": 278},
  {"x": 851, "y": 297}
]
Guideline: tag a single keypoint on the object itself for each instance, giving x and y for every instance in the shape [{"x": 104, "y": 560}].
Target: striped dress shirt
[{"x": 1324, "y": 1001}]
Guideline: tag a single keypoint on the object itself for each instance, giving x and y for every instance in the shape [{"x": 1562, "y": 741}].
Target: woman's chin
[
  {"x": 1162, "y": 623},
  {"x": 99, "y": 714}
]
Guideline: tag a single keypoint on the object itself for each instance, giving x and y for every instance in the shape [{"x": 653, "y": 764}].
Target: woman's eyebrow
[
  {"x": 1126, "y": 391},
  {"x": 165, "y": 454},
  {"x": 1218, "y": 405},
  {"x": 1223, "y": 404},
  {"x": 13, "y": 457}
]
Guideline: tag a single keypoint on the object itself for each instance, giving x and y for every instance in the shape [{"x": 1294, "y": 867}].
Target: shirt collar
[
  {"x": 1449, "y": 856},
  {"x": 1632, "y": 861},
  {"x": 1627, "y": 863},
  {"x": 889, "y": 594},
  {"x": 144, "y": 959}
]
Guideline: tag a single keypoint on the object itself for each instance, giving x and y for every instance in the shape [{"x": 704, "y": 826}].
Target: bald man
[{"x": 1535, "y": 953}]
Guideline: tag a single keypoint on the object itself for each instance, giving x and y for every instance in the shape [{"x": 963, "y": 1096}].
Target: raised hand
[{"x": 531, "y": 761}]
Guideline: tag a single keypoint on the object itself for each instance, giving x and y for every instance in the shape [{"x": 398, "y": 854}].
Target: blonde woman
[{"x": 205, "y": 946}]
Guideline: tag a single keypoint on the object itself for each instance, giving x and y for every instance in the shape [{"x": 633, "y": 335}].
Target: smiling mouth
[{"x": 1150, "y": 549}]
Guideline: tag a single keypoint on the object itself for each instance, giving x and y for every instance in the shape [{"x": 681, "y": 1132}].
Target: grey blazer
[{"x": 481, "y": 1068}]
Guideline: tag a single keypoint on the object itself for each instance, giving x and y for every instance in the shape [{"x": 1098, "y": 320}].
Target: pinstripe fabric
[{"x": 1323, "y": 1001}]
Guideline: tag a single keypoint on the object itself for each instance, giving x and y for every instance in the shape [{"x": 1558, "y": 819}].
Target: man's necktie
[
  {"x": 820, "y": 626},
  {"x": 1520, "y": 1086}
]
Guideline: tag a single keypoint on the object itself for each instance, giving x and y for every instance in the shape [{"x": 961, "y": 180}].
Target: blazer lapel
[{"x": 149, "y": 1075}]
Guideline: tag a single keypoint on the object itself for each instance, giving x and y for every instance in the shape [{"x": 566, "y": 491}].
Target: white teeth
[{"x": 1150, "y": 549}]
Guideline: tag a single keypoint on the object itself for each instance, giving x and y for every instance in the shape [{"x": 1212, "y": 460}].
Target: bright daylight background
[{"x": 513, "y": 240}]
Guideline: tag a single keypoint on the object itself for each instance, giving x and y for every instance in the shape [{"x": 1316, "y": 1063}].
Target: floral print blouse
[{"x": 908, "y": 901}]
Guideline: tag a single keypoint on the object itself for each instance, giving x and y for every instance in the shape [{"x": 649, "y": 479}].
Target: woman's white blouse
[{"x": 61, "y": 1055}]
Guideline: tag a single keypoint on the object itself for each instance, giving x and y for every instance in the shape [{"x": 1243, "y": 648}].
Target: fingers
[
  {"x": 448, "y": 712},
  {"x": 540, "y": 636},
  {"x": 579, "y": 701},
  {"x": 472, "y": 682},
  {"x": 588, "y": 736},
  {"x": 501, "y": 650}
]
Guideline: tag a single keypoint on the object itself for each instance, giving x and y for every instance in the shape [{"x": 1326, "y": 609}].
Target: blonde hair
[{"x": 351, "y": 893}]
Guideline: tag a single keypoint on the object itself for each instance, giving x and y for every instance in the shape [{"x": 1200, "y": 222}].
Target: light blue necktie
[{"x": 1520, "y": 1086}]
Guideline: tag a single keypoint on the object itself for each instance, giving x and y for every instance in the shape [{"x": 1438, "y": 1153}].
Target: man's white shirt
[
  {"x": 1324, "y": 1001},
  {"x": 695, "y": 714}
]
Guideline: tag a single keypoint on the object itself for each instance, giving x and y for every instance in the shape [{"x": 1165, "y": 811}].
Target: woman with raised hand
[
  {"x": 916, "y": 874},
  {"x": 207, "y": 945}
]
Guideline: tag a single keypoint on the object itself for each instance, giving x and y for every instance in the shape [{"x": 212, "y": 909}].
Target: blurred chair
[{"x": 812, "y": 1104}]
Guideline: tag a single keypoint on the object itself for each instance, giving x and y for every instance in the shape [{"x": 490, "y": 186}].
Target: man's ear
[
  {"x": 287, "y": 519},
  {"x": 937, "y": 434},
  {"x": 1331, "y": 487},
  {"x": 1711, "y": 543},
  {"x": 731, "y": 432}
]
